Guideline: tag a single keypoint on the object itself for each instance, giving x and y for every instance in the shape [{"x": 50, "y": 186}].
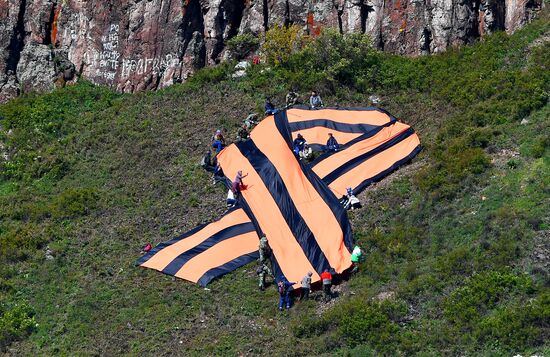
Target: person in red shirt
[{"x": 326, "y": 278}]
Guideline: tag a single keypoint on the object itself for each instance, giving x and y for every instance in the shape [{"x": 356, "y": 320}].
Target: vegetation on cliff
[{"x": 458, "y": 252}]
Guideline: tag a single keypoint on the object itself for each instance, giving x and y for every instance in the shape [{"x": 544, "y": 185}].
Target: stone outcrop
[{"x": 148, "y": 44}]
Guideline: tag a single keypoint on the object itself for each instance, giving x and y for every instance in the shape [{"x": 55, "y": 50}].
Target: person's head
[
  {"x": 309, "y": 273},
  {"x": 349, "y": 190},
  {"x": 314, "y": 92},
  {"x": 299, "y": 136},
  {"x": 218, "y": 131},
  {"x": 240, "y": 173},
  {"x": 330, "y": 135}
]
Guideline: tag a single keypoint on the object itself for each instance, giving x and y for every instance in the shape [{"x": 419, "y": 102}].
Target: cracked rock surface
[{"x": 137, "y": 45}]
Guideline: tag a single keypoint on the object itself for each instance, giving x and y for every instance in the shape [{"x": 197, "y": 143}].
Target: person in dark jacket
[
  {"x": 332, "y": 144},
  {"x": 269, "y": 107},
  {"x": 284, "y": 287},
  {"x": 298, "y": 144},
  {"x": 242, "y": 133},
  {"x": 291, "y": 98}
]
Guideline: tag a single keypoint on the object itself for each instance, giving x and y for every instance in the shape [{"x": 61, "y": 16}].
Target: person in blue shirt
[{"x": 218, "y": 141}]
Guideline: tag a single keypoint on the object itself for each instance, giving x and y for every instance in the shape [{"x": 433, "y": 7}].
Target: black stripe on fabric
[
  {"x": 356, "y": 161},
  {"x": 276, "y": 269},
  {"x": 276, "y": 187},
  {"x": 388, "y": 171},
  {"x": 227, "y": 268},
  {"x": 331, "y": 124},
  {"x": 163, "y": 245},
  {"x": 352, "y": 142},
  {"x": 227, "y": 233},
  {"x": 317, "y": 147},
  {"x": 281, "y": 122}
]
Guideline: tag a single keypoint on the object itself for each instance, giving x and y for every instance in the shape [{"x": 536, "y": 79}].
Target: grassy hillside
[{"x": 458, "y": 243}]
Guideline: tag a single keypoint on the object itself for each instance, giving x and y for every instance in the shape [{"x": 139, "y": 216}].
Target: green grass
[{"x": 455, "y": 240}]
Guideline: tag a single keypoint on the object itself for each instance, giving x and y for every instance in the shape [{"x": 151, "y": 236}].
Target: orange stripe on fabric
[
  {"x": 217, "y": 255},
  {"x": 285, "y": 248},
  {"x": 374, "y": 165},
  {"x": 165, "y": 256},
  {"x": 309, "y": 203},
  {"x": 371, "y": 117},
  {"x": 319, "y": 135},
  {"x": 334, "y": 161}
]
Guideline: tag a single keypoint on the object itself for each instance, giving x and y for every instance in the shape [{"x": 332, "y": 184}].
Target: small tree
[{"x": 281, "y": 42}]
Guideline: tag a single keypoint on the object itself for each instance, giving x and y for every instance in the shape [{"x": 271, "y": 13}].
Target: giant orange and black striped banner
[{"x": 295, "y": 204}]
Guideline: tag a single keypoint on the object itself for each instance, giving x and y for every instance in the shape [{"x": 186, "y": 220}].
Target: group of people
[
  {"x": 293, "y": 98},
  {"x": 285, "y": 287},
  {"x": 303, "y": 150},
  {"x": 218, "y": 141}
]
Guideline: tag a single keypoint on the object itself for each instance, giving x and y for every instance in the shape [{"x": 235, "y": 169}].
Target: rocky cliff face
[{"x": 146, "y": 44}]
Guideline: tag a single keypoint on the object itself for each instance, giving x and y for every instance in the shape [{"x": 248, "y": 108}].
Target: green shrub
[
  {"x": 516, "y": 327},
  {"x": 208, "y": 75},
  {"x": 19, "y": 241},
  {"x": 16, "y": 322},
  {"x": 483, "y": 292},
  {"x": 281, "y": 42},
  {"x": 74, "y": 202},
  {"x": 537, "y": 147},
  {"x": 309, "y": 326},
  {"x": 373, "y": 323}
]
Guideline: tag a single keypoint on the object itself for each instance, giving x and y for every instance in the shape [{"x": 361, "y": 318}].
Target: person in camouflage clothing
[
  {"x": 263, "y": 271},
  {"x": 264, "y": 249}
]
